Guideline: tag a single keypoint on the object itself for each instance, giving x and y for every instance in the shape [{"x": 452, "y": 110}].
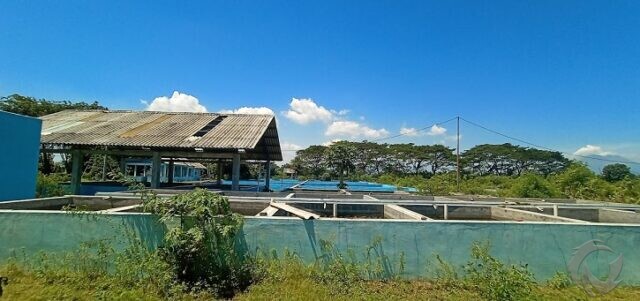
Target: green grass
[{"x": 287, "y": 284}]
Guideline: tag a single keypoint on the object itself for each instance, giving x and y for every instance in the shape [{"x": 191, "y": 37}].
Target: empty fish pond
[
  {"x": 318, "y": 204},
  {"x": 542, "y": 233}
]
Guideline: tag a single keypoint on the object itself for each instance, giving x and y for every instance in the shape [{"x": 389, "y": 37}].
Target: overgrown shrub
[
  {"x": 533, "y": 186},
  {"x": 49, "y": 185},
  {"x": 200, "y": 247},
  {"x": 488, "y": 276},
  {"x": 559, "y": 281},
  {"x": 495, "y": 280},
  {"x": 96, "y": 268},
  {"x": 346, "y": 272}
]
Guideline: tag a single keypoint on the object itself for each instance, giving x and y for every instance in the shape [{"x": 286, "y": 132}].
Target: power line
[
  {"x": 544, "y": 147},
  {"x": 418, "y": 130}
]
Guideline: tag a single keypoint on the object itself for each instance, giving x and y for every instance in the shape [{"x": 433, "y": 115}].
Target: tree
[
  {"x": 616, "y": 172},
  {"x": 507, "y": 159},
  {"x": 31, "y": 106},
  {"x": 533, "y": 186},
  {"x": 340, "y": 157},
  {"x": 440, "y": 158},
  {"x": 310, "y": 161}
]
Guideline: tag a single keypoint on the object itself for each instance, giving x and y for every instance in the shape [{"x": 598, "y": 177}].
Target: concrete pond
[{"x": 544, "y": 234}]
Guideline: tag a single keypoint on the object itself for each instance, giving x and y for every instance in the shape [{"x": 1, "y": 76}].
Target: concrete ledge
[
  {"x": 122, "y": 209},
  {"x": 397, "y": 212},
  {"x": 43, "y": 203},
  {"x": 618, "y": 216},
  {"x": 502, "y": 213},
  {"x": 296, "y": 211},
  {"x": 269, "y": 211}
]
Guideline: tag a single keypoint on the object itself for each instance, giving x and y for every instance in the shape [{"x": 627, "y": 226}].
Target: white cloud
[
  {"x": 591, "y": 150},
  {"x": 288, "y": 151},
  {"x": 411, "y": 132},
  {"x": 330, "y": 142},
  {"x": 178, "y": 102},
  {"x": 340, "y": 113},
  {"x": 353, "y": 129},
  {"x": 436, "y": 130},
  {"x": 249, "y": 110},
  {"x": 304, "y": 111}
]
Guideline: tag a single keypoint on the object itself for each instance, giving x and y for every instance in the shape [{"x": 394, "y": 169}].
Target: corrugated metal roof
[{"x": 162, "y": 130}]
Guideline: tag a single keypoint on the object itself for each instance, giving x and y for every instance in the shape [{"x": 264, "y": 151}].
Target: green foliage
[
  {"x": 201, "y": 248},
  {"x": 31, "y": 106},
  {"x": 533, "y": 186},
  {"x": 491, "y": 278},
  {"x": 49, "y": 185},
  {"x": 96, "y": 164},
  {"x": 495, "y": 280},
  {"x": 446, "y": 274},
  {"x": 507, "y": 159},
  {"x": 441, "y": 184},
  {"x": 572, "y": 180},
  {"x": 339, "y": 157},
  {"x": 99, "y": 272},
  {"x": 616, "y": 172},
  {"x": 559, "y": 281}
]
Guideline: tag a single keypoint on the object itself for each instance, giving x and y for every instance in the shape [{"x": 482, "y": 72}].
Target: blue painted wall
[
  {"x": 545, "y": 247},
  {"x": 19, "y": 149}
]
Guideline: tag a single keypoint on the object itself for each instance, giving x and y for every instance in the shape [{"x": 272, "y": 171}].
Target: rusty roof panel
[{"x": 167, "y": 130}]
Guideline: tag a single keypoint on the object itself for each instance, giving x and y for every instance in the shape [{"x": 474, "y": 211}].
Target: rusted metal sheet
[{"x": 257, "y": 134}]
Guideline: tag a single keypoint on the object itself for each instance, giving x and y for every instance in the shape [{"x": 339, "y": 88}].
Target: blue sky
[{"x": 564, "y": 74}]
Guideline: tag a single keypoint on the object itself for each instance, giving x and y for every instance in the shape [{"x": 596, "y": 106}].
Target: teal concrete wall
[
  {"x": 546, "y": 248},
  {"x": 19, "y": 148}
]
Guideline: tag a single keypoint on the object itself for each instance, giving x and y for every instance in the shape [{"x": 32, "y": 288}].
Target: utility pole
[{"x": 458, "y": 154}]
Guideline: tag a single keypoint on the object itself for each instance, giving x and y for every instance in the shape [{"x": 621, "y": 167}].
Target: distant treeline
[
  {"x": 503, "y": 170},
  {"x": 354, "y": 159}
]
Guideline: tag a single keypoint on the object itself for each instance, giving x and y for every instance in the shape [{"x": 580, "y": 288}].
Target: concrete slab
[
  {"x": 122, "y": 209},
  {"x": 618, "y": 216},
  {"x": 501, "y": 213},
  {"x": 398, "y": 212},
  {"x": 295, "y": 211},
  {"x": 269, "y": 211}
]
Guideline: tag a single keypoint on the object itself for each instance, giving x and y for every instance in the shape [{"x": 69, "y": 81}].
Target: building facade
[{"x": 141, "y": 171}]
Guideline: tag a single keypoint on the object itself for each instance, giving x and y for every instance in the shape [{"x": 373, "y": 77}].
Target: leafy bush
[
  {"x": 100, "y": 272},
  {"x": 616, "y": 172},
  {"x": 486, "y": 275},
  {"x": 49, "y": 185},
  {"x": 493, "y": 279},
  {"x": 533, "y": 186},
  {"x": 559, "y": 281},
  {"x": 201, "y": 249}
]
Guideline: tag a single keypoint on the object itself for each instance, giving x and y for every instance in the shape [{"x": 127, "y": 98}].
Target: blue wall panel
[{"x": 19, "y": 148}]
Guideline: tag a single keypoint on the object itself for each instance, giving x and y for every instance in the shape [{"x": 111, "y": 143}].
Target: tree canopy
[
  {"x": 30, "y": 106},
  {"x": 616, "y": 172},
  {"x": 373, "y": 159}
]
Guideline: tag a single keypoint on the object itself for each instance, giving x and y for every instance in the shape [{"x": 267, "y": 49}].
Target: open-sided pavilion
[{"x": 162, "y": 136}]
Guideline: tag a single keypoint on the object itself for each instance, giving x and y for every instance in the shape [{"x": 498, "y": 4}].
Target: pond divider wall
[{"x": 545, "y": 247}]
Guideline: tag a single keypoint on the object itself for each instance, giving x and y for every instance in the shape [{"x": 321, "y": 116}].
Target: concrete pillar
[
  {"x": 219, "y": 175},
  {"x": 123, "y": 166},
  {"x": 267, "y": 178},
  {"x": 170, "y": 172},
  {"x": 235, "y": 173},
  {"x": 156, "y": 162},
  {"x": 76, "y": 171}
]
